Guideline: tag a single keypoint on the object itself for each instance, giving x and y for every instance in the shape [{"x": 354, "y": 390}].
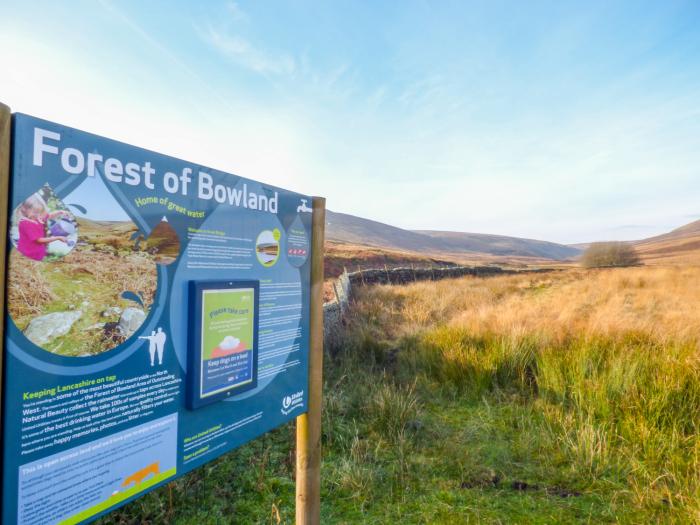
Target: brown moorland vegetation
[{"x": 662, "y": 302}]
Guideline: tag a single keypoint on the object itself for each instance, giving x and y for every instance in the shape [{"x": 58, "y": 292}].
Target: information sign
[{"x": 157, "y": 317}]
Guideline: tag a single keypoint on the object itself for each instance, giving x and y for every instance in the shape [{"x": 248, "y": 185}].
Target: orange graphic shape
[{"x": 138, "y": 476}]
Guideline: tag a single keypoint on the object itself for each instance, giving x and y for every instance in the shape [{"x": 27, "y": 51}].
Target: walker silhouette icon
[{"x": 156, "y": 344}]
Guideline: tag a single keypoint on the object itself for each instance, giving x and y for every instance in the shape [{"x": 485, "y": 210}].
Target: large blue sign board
[{"x": 111, "y": 245}]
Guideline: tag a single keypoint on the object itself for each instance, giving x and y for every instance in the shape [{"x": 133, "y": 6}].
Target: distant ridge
[
  {"x": 345, "y": 228},
  {"x": 689, "y": 230},
  {"x": 503, "y": 245},
  {"x": 679, "y": 245}
]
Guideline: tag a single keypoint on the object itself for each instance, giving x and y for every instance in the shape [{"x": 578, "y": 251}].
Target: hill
[
  {"x": 502, "y": 245},
  {"x": 681, "y": 245},
  {"x": 349, "y": 229}
]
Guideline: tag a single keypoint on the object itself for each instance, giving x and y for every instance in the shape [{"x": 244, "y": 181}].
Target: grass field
[{"x": 569, "y": 397}]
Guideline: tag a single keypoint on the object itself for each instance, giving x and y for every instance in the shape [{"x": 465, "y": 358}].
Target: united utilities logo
[{"x": 292, "y": 402}]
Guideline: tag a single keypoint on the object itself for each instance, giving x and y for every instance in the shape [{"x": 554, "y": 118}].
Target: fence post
[
  {"x": 5, "y": 134},
  {"x": 388, "y": 279},
  {"x": 337, "y": 295},
  {"x": 362, "y": 275},
  {"x": 308, "y": 482},
  {"x": 348, "y": 290}
]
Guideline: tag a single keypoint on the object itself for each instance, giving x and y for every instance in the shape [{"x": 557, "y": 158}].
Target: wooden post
[
  {"x": 386, "y": 270},
  {"x": 5, "y": 133},
  {"x": 308, "y": 483},
  {"x": 362, "y": 275}
]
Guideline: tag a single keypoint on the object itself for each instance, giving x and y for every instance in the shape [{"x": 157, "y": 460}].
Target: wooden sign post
[
  {"x": 308, "y": 483},
  {"x": 5, "y": 134}
]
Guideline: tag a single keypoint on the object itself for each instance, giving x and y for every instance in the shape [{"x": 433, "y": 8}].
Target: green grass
[
  {"x": 443, "y": 425},
  {"x": 406, "y": 440}
]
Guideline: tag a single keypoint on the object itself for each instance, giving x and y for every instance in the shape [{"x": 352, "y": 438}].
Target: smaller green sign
[{"x": 225, "y": 346}]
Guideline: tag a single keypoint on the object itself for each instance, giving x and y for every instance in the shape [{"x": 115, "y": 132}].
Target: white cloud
[
  {"x": 236, "y": 13},
  {"x": 242, "y": 52}
]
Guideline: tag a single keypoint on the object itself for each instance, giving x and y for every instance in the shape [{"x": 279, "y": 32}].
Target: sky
[
  {"x": 564, "y": 121},
  {"x": 93, "y": 195}
]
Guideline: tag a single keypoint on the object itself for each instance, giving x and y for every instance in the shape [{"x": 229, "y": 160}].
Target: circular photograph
[
  {"x": 267, "y": 247},
  {"x": 82, "y": 279}
]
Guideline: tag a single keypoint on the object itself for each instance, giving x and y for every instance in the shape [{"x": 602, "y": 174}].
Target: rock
[
  {"x": 71, "y": 307},
  {"x": 414, "y": 425},
  {"x": 112, "y": 332},
  {"x": 96, "y": 326},
  {"x": 85, "y": 304},
  {"x": 131, "y": 320},
  {"x": 111, "y": 311},
  {"x": 44, "y": 328},
  {"x": 521, "y": 485},
  {"x": 565, "y": 493}
]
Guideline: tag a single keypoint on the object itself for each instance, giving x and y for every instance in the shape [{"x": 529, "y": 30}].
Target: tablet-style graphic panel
[{"x": 223, "y": 340}]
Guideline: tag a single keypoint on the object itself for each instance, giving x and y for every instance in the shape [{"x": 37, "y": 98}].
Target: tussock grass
[
  {"x": 607, "y": 362},
  {"x": 392, "y": 409}
]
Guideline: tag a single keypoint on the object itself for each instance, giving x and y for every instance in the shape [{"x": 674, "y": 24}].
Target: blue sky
[
  {"x": 93, "y": 195},
  {"x": 565, "y": 121}
]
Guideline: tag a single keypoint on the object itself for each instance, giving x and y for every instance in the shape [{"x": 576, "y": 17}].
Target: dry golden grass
[
  {"x": 663, "y": 302},
  {"x": 27, "y": 289}
]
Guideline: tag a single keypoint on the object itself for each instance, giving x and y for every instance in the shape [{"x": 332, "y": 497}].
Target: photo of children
[{"x": 42, "y": 228}]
